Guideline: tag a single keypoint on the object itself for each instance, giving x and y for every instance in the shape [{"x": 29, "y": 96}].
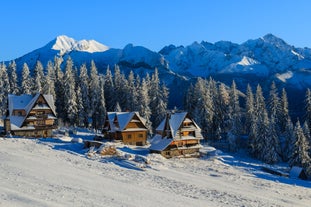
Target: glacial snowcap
[{"x": 66, "y": 44}]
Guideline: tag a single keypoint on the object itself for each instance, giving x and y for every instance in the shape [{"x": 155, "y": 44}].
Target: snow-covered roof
[
  {"x": 25, "y": 102},
  {"x": 158, "y": 143},
  {"x": 175, "y": 121},
  {"x": 123, "y": 118}
]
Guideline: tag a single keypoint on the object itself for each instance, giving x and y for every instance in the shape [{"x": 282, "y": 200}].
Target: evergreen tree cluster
[
  {"x": 224, "y": 113},
  {"x": 266, "y": 123},
  {"x": 83, "y": 96}
]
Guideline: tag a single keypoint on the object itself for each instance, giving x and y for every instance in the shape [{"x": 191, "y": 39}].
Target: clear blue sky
[{"x": 29, "y": 24}]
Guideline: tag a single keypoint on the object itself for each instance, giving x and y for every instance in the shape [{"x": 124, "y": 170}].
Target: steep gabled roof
[
  {"x": 123, "y": 119},
  {"x": 159, "y": 144},
  {"x": 173, "y": 122},
  {"x": 25, "y": 102}
]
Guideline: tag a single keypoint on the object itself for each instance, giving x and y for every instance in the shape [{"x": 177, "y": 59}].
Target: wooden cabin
[
  {"x": 129, "y": 127},
  {"x": 30, "y": 116},
  {"x": 177, "y": 135}
]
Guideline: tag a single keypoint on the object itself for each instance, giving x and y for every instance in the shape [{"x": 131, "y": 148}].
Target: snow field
[{"x": 57, "y": 173}]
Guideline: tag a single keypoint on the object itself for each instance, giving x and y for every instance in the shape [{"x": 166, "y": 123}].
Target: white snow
[
  {"x": 66, "y": 44},
  {"x": 56, "y": 172},
  {"x": 285, "y": 76}
]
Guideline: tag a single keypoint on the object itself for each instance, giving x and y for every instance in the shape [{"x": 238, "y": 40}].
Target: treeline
[
  {"x": 224, "y": 113},
  {"x": 82, "y": 95},
  {"x": 264, "y": 124}
]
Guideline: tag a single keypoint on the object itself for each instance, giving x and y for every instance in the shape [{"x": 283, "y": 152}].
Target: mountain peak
[
  {"x": 67, "y": 44},
  {"x": 270, "y": 38}
]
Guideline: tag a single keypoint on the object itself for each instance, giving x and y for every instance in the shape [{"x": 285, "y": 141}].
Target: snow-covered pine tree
[
  {"x": 306, "y": 132},
  {"x": 235, "y": 114},
  {"x": 289, "y": 138},
  {"x": 158, "y": 99},
  {"x": 4, "y": 88},
  {"x": 27, "y": 83},
  {"x": 70, "y": 98},
  {"x": 120, "y": 88},
  {"x": 189, "y": 101},
  {"x": 223, "y": 108},
  {"x": 49, "y": 87},
  {"x": 131, "y": 93},
  {"x": 143, "y": 104},
  {"x": 250, "y": 109},
  {"x": 200, "y": 105},
  {"x": 300, "y": 153},
  {"x": 84, "y": 87},
  {"x": 80, "y": 108},
  {"x": 308, "y": 107},
  {"x": 215, "y": 126},
  {"x": 284, "y": 111},
  {"x": 259, "y": 125},
  {"x": 14, "y": 89},
  {"x": 94, "y": 93},
  {"x": 39, "y": 79},
  {"x": 109, "y": 90},
  {"x": 274, "y": 107},
  {"x": 59, "y": 89},
  {"x": 101, "y": 108}
]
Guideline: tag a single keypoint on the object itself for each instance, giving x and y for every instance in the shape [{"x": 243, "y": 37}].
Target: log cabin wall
[{"x": 135, "y": 138}]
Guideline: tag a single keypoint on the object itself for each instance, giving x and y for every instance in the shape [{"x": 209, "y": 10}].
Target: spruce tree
[
  {"x": 300, "y": 153},
  {"x": 235, "y": 114},
  {"x": 250, "y": 110},
  {"x": 80, "y": 108},
  {"x": 274, "y": 107},
  {"x": 308, "y": 107},
  {"x": 70, "y": 98},
  {"x": 59, "y": 89},
  {"x": 143, "y": 104},
  {"x": 158, "y": 99},
  {"x": 85, "y": 98},
  {"x": 49, "y": 87},
  {"x": 101, "y": 108},
  {"x": 289, "y": 138},
  {"x": 131, "y": 93},
  {"x": 94, "y": 93},
  {"x": 109, "y": 90},
  {"x": 27, "y": 83},
  {"x": 39, "y": 81},
  {"x": 4, "y": 88},
  {"x": 284, "y": 111},
  {"x": 14, "y": 89}
]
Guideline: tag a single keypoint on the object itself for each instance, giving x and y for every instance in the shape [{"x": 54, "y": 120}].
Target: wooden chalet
[
  {"x": 30, "y": 116},
  {"x": 129, "y": 127},
  {"x": 177, "y": 135}
]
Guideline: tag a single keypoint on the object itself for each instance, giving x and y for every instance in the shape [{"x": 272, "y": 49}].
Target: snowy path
[{"x": 32, "y": 173}]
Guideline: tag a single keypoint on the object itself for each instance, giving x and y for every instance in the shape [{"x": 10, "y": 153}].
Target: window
[
  {"x": 140, "y": 135},
  {"x": 129, "y": 136},
  {"x": 40, "y": 122}
]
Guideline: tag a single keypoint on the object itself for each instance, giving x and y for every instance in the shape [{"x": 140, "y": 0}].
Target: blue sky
[{"x": 28, "y": 25}]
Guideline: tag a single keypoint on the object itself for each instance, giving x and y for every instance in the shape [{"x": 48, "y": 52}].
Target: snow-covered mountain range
[{"x": 255, "y": 61}]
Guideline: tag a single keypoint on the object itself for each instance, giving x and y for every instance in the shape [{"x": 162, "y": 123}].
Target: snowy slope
[{"x": 51, "y": 172}]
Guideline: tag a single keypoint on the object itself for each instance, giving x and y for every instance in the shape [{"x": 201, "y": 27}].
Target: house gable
[
  {"x": 177, "y": 135},
  {"x": 127, "y": 126},
  {"x": 31, "y": 114}
]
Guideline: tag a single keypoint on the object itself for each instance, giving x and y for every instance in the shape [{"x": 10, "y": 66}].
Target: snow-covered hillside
[{"x": 54, "y": 172}]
